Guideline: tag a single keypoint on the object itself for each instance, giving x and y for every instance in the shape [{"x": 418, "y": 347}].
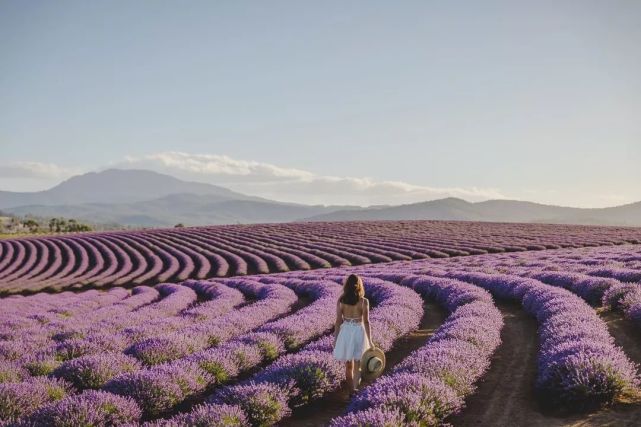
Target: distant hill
[
  {"x": 141, "y": 198},
  {"x": 190, "y": 209},
  {"x": 115, "y": 186},
  {"x": 492, "y": 210}
]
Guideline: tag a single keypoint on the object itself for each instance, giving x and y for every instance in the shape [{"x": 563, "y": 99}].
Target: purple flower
[
  {"x": 91, "y": 408},
  {"x": 23, "y": 398},
  {"x": 159, "y": 389},
  {"x": 220, "y": 363},
  {"x": 154, "y": 351},
  {"x": 11, "y": 372},
  {"x": 263, "y": 404},
  {"x": 373, "y": 417},
  {"x": 307, "y": 375},
  {"x": 206, "y": 415},
  {"x": 95, "y": 370},
  {"x": 269, "y": 344},
  {"x": 421, "y": 400}
]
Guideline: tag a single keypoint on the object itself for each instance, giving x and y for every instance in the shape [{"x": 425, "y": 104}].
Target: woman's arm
[
  {"x": 339, "y": 320},
  {"x": 368, "y": 328}
]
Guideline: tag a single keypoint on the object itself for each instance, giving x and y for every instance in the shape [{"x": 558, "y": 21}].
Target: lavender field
[
  {"x": 95, "y": 260},
  {"x": 490, "y": 324}
]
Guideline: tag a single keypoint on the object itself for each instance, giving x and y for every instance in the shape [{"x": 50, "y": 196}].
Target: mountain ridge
[
  {"x": 142, "y": 198},
  {"x": 496, "y": 211}
]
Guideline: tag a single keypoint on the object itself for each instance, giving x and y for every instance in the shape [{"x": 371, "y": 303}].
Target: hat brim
[{"x": 366, "y": 374}]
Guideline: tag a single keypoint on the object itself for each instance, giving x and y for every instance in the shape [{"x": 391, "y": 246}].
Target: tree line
[{"x": 32, "y": 225}]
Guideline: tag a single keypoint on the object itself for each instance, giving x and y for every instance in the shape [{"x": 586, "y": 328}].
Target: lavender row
[
  {"x": 605, "y": 276},
  {"x": 578, "y": 363},
  {"x": 44, "y": 347},
  {"x": 158, "y": 389},
  {"x": 155, "y": 389},
  {"x": 112, "y": 327},
  {"x": 95, "y": 370},
  {"x": 431, "y": 383},
  {"x": 184, "y": 339},
  {"x": 297, "y": 379},
  {"x": 140, "y": 333},
  {"x": 155, "y": 256}
]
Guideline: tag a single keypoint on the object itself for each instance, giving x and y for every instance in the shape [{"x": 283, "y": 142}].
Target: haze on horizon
[{"x": 333, "y": 102}]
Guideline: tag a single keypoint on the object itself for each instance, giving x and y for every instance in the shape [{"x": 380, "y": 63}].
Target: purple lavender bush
[
  {"x": 158, "y": 390},
  {"x": 374, "y": 417},
  {"x": 23, "y": 398},
  {"x": 421, "y": 400},
  {"x": 95, "y": 370},
  {"x": 219, "y": 415},
  {"x": 579, "y": 365},
  {"x": 91, "y": 408},
  {"x": 11, "y": 372},
  {"x": 263, "y": 404}
]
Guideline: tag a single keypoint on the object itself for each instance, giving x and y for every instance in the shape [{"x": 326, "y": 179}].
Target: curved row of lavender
[
  {"x": 579, "y": 364},
  {"x": 431, "y": 383},
  {"x": 159, "y": 388},
  {"x": 162, "y": 255},
  {"x": 156, "y": 389},
  {"x": 137, "y": 382},
  {"x": 297, "y": 379},
  {"x": 607, "y": 277},
  {"x": 89, "y": 362}
]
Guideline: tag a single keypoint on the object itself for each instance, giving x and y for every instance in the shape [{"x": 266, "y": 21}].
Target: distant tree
[
  {"x": 31, "y": 224},
  {"x": 74, "y": 226},
  {"x": 14, "y": 223},
  {"x": 179, "y": 225}
]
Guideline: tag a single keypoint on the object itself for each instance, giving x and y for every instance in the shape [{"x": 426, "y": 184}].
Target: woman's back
[{"x": 353, "y": 311}]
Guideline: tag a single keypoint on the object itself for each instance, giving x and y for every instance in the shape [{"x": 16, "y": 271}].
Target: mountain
[
  {"x": 492, "y": 210},
  {"x": 116, "y": 186},
  {"x": 143, "y": 198},
  {"x": 190, "y": 209}
]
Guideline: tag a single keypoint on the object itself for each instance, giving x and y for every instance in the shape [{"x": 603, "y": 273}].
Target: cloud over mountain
[{"x": 297, "y": 185}]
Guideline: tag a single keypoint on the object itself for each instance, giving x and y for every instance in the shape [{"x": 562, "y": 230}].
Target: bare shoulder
[{"x": 365, "y": 301}]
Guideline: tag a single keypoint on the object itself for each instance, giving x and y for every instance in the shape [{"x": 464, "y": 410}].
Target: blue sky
[{"x": 329, "y": 102}]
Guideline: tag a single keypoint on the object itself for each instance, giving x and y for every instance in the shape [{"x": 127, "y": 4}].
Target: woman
[{"x": 352, "y": 332}]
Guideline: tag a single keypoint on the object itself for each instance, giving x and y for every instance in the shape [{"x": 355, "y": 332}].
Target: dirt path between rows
[
  {"x": 506, "y": 396},
  {"x": 625, "y": 333},
  {"x": 332, "y": 405}
]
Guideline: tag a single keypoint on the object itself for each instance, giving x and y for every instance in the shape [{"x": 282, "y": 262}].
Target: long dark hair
[{"x": 353, "y": 290}]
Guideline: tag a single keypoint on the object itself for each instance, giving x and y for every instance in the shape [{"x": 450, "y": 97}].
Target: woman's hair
[{"x": 353, "y": 290}]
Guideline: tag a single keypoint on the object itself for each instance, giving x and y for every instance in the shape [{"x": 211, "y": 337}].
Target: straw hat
[{"x": 372, "y": 363}]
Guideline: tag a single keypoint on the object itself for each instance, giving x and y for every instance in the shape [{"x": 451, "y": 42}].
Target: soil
[
  {"x": 334, "y": 404},
  {"x": 505, "y": 396}
]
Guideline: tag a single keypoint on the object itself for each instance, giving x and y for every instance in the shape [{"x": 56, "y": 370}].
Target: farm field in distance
[
  {"x": 482, "y": 323},
  {"x": 159, "y": 255}
]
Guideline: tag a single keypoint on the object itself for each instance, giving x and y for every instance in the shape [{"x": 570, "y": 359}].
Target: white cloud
[
  {"x": 35, "y": 170},
  {"x": 296, "y": 185},
  {"x": 222, "y": 167}
]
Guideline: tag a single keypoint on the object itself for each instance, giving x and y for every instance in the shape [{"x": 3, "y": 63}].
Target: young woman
[{"x": 352, "y": 332}]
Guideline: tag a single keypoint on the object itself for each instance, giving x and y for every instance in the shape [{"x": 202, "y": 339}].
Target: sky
[{"x": 359, "y": 102}]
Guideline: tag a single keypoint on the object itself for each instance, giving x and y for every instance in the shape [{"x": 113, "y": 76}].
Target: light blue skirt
[{"x": 351, "y": 342}]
